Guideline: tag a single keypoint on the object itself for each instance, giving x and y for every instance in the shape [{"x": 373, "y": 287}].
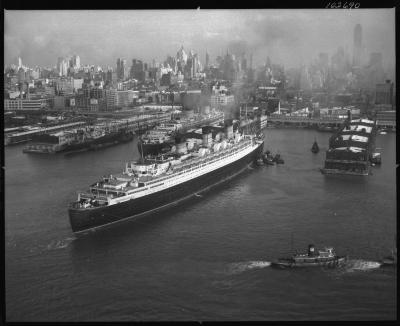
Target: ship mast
[{"x": 141, "y": 151}]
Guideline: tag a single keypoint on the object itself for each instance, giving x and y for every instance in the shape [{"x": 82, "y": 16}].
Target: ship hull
[
  {"x": 344, "y": 172},
  {"x": 290, "y": 264},
  {"x": 153, "y": 148},
  {"x": 107, "y": 140},
  {"x": 85, "y": 219}
]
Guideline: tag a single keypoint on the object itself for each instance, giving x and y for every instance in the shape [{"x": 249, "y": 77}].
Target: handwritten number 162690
[{"x": 344, "y": 5}]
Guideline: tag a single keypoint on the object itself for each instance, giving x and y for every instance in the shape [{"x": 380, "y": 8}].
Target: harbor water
[{"x": 207, "y": 259}]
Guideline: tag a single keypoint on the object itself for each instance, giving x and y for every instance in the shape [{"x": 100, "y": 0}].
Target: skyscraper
[
  {"x": 137, "y": 70},
  {"x": 62, "y": 66},
  {"x": 121, "y": 69},
  {"x": 357, "y": 50}
]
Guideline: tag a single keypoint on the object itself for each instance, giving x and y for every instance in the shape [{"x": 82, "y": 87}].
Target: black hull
[
  {"x": 153, "y": 149},
  {"x": 84, "y": 219},
  {"x": 104, "y": 141},
  {"x": 288, "y": 264}
]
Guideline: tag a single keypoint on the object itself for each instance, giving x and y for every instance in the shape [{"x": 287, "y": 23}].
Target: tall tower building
[
  {"x": 19, "y": 62},
  {"x": 357, "y": 50},
  {"x": 121, "y": 69},
  {"x": 76, "y": 61}
]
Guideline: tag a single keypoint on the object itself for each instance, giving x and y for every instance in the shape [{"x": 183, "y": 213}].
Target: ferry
[{"x": 154, "y": 182}]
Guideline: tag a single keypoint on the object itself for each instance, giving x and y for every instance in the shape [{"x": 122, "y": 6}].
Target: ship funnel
[
  {"x": 349, "y": 114},
  {"x": 311, "y": 250}
]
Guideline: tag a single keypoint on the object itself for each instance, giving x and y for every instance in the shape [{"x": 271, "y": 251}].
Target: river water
[{"x": 208, "y": 258}]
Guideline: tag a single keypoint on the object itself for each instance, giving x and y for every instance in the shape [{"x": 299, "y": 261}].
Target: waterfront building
[
  {"x": 386, "y": 119},
  {"x": 111, "y": 99},
  {"x": 124, "y": 98},
  {"x": 24, "y": 104},
  {"x": 221, "y": 97},
  {"x": 384, "y": 93},
  {"x": 375, "y": 72},
  {"x": 59, "y": 102}
]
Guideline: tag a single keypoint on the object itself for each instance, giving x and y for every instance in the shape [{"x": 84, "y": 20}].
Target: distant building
[
  {"x": 384, "y": 93},
  {"x": 137, "y": 70},
  {"x": 357, "y": 45},
  {"x": 122, "y": 69},
  {"x": 124, "y": 98},
  {"x": 323, "y": 60},
  {"x": 24, "y": 104},
  {"x": 221, "y": 97},
  {"x": 62, "y": 66}
]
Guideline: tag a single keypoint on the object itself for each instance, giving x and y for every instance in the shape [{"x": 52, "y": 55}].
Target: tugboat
[
  {"x": 278, "y": 160},
  {"x": 390, "y": 260},
  {"x": 375, "y": 158},
  {"x": 326, "y": 257},
  {"x": 315, "y": 148},
  {"x": 268, "y": 158},
  {"x": 260, "y": 161}
]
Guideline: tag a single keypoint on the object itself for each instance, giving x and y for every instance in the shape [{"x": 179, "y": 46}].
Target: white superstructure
[{"x": 148, "y": 176}]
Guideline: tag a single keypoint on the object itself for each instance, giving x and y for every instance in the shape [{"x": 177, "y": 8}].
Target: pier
[
  {"x": 323, "y": 121},
  {"x": 24, "y": 136},
  {"x": 306, "y": 121}
]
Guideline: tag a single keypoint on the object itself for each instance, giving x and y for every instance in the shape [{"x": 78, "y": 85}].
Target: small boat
[
  {"x": 268, "y": 159},
  {"x": 260, "y": 161},
  {"x": 390, "y": 260},
  {"x": 312, "y": 258},
  {"x": 376, "y": 158},
  {"x": 315, "y": 147},
  {"x": 278, "y": 160}
]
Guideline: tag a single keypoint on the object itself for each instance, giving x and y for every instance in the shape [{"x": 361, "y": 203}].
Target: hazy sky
[{"x": 289, "y": 37}]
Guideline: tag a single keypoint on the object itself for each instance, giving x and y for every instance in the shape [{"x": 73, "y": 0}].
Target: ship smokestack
[
  {"x": 311, "y": 250},
  {"x": 349, "y": 115}
]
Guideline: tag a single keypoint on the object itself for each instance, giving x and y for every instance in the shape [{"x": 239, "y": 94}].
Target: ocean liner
[
  {"x": 155, "y": 182},
  {"x": 350, "y": 149}
]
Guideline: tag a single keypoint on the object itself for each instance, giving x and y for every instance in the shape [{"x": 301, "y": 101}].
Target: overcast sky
[{"x": 288, "y": 37}]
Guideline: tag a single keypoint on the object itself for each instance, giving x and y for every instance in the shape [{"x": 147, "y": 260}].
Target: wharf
[
  {"x": 306, "y": 121},
  {"x": 24, "y": 136}
]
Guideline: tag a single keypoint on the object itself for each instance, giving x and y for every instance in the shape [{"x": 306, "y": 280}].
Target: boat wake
[
  {"x": 237, "y": 268},
  {"x": 60, "y": 244},
  {"x": 361, "y": 265}
]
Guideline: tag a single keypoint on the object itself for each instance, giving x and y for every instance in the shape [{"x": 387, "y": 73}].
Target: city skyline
[{"x": 288, "y": 37}]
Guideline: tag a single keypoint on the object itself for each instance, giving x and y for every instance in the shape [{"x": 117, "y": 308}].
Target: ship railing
[
  {"x": 195, "y": 163},
  {"x": 89, "y": 195}
]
